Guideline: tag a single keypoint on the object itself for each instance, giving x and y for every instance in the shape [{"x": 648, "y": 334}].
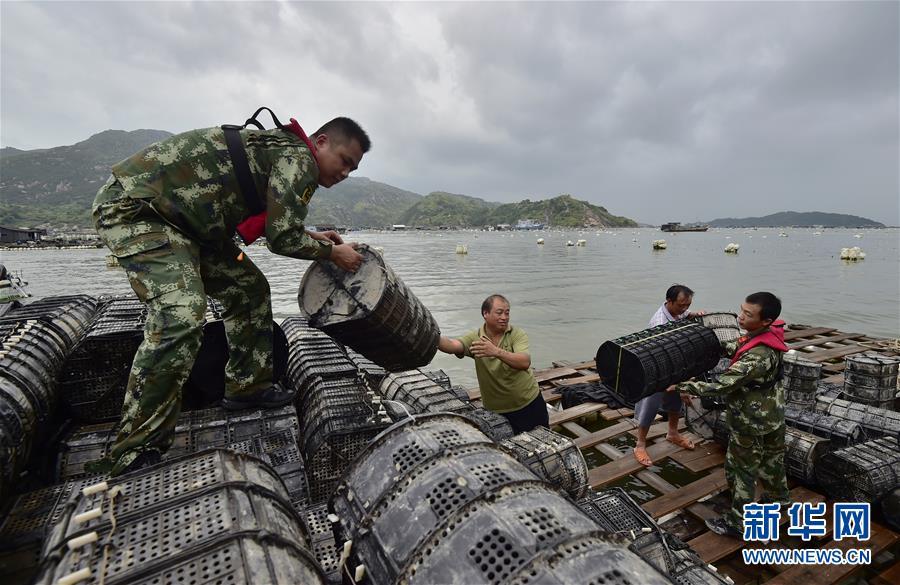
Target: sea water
[{"x": 570, "y": 299}]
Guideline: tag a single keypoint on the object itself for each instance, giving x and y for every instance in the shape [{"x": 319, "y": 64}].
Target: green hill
[
  {"x": 797, "y": 219},
  {"x": 449, "y": 210},
  {"x": 561, "y": 211},
  {"x": 360, "y": 202},
  {"x": 54, "y": 186}
]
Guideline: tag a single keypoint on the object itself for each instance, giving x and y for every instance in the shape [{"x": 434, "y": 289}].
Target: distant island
[
  {"x": 798, "y": 219},
  {"x": 53, "y": 188},
  {"x": 450, "y": 210}
]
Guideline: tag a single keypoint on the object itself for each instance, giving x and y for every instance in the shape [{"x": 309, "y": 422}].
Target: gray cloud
[{"x": 657, "y": 111}]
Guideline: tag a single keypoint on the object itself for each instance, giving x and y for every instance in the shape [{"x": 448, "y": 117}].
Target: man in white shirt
[{"x": 678, "y": 301}]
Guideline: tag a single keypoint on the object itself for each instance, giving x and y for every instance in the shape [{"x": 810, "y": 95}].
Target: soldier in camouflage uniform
[
  {"x": 754, "y": 396},
  {"x": 169, "y": 214}
]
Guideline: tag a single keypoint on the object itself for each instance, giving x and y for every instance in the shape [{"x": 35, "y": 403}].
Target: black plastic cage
[
  {"x": 269, "y": 434},
  {"x": 552, "y": 457},
  {"x": 67, "y": 315},
  {"x": 839, "y": 431},
  {"x": 877, "y": 422},
  {"x": 372, "y": 311},
  {"x": 28, "y": 522},
  {"x": 724, "y": 325},
  {"x": 417, "y": 390},
  {"x": 213, "y": 514},
  {"x": 619, "y": 515},
  {"x": 588, "y": 558},
  {"x": 35, "y": 341},
  {"x": 338, "y": 420},
  {"x": 93, "y": 381},
  {"x": 494, "y": 425},
  {"x": 649, "y": 361},
  {"x": 393, "y": 455},
  {"x": 802, "y": 454},
  {"x": 861, "y": 473},
  {"x": 323, "y": 543},
  {"x": 616, "y": 512}
]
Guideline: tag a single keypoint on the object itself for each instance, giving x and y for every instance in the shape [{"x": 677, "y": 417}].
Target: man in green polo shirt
[{"x": 503, "y": 366}]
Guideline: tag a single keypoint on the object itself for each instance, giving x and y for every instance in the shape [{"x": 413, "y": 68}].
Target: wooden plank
[
  {"x": 614, "y": 470},
  {"x": 882, "y": 538},
  {"x": 703, "y": 457},
  {"x": 811, "y": 332},
  {"x": 702, "y": 511},
  {"x": 659, "y": 429},
  {"x": 711, "y": 547},
  {"x": 586, "y": 365},
  {"x": 835, "y": 379},
  {"x": 837, "y": 352},
  {"x": 616, "y": 413},
  {"x": 686, "y": 495},
  {"x": 549, "y": 395},
  {"x": 578, "y": 380},
  {"x": 825, "y": 340},
  {"x": 890, "y": 576},
  {"x": 553, "y": 373},
  {"x": 587, "y": 441},
  {"x": 574, "y": 413}
]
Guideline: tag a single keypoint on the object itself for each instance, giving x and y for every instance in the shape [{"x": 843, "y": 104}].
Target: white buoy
[
  {"x": 732, "y": 248},
  {"x": 581, "y": 243},
  {"x": 659, "y": 244},
  {"x": 540, "y": 241},
  {"x": 854, "y": 254},
  {"x": 462, "y": 249}
]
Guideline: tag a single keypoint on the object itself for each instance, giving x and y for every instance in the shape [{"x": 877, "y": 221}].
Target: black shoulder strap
[
  {"x": 254, "y": 122},
  {"x": 238, "y": 155}
]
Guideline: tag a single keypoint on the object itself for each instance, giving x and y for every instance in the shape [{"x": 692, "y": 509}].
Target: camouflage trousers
[
  {"x": 752, "y": 457},
  {"x": 172, "y": 275}
]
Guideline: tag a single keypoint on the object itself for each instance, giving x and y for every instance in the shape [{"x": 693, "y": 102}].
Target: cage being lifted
[
  {"x": 370, "y": 310},
  {"x": 649, "y": 361}
]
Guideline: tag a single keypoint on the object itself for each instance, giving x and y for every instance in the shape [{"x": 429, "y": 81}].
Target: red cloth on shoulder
[{"x": 773, "y": 338}]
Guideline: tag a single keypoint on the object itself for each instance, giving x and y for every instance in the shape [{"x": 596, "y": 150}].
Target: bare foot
[
  {"x": 640, "y": 453},
  {"x": 681, "y": 441}
]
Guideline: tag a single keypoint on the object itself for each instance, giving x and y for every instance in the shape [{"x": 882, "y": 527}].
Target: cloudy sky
[{"x": 659, "y": 111}]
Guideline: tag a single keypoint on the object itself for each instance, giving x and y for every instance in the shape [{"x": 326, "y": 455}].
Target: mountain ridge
[
  {"x": 797, "y": 219},
  {"x": 54, "y": 188}
]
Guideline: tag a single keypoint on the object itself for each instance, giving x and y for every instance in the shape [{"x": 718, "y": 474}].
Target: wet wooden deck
[{"x": 682, "y": 509}]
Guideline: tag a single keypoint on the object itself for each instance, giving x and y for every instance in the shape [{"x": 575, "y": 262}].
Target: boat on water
[
  {"x": 12, "y": 289},
  {"x": 370, "y": 476},
  {"x": 529, "y": 224},
  {"x": 677, "y": 227}
]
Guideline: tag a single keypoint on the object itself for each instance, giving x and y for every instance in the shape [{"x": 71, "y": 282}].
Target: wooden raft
[{"x": 819, "y": 344}]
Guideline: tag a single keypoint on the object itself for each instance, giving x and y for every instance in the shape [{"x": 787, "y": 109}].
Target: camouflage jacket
[
  {"x": 755, "y": 405},
  {"x": 190, "y": 182}
]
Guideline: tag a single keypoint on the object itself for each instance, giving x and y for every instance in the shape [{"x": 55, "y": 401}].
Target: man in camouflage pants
[
  {"x": 169, "y": 214},
  {"x": 752, "y": 390}
]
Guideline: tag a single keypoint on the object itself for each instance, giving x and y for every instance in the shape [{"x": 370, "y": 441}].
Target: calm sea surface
[{"x": 571, "y": 299}]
